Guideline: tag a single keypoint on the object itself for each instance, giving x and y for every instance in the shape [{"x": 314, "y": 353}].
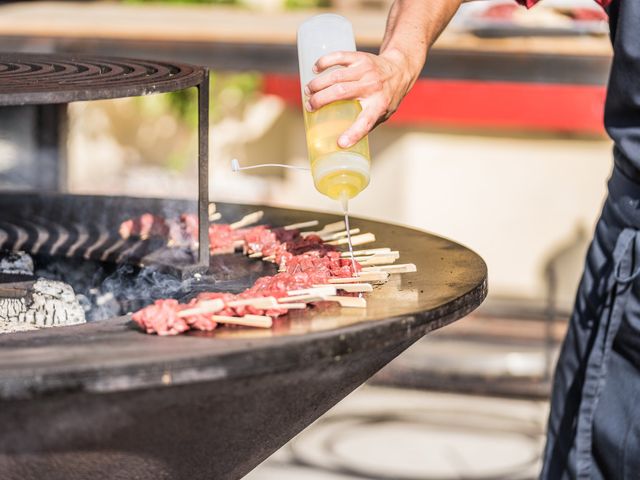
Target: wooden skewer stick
[
  {"x": 223, "y": 251},
  {"x": 400, "y": 268},
  {"x": 352, "y": 287},
  {"x": 335, "y": 236},
  {"x": 258, "y": 302},
  {"x": 356, "y": 240},
  {"x": 373, "y": 277},
  {"x": 270, "y": 258},
  {"x": 334, "y": 227},
  {"x": 301, "y": 225},
  {"x": 247, "y": 220},
  {"x": 329, "y": 228},
  {"x": 211, "y": 209},
  {"x": 376, "y": 261},
  {"x": 292, "y": 306},
  {"x": 347, "y": 302},
  {"x": 259, "y": 321},
  {"x": 319, "y": 291},
  {"x": 255, "y": 255},
  {"x": 379, "y": 259},
  {"x": 204, "y": 307},
  {"x": 214, "y": 217},
  {"x": 361, "y": 253},
  {"x": 301, "y": 298}
]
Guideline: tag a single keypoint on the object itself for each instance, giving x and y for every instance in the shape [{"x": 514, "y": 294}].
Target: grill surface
[
  {"x": 38, "y": 79},
  {"x": 105, "y": 401}
]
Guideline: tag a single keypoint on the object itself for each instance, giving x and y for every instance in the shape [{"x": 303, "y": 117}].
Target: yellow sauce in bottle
[{"x": 337, "y": 172}]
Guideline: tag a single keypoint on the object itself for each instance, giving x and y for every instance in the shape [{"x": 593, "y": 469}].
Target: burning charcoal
[
  {"x": 16, "y": 263},
  {"x": 47, "y": 303}
]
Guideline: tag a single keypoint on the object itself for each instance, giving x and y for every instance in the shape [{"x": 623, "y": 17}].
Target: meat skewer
[{"x": 312, "y": 270}]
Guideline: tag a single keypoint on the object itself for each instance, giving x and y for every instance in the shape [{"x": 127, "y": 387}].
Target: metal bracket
[{"x": 203, "y": 172}]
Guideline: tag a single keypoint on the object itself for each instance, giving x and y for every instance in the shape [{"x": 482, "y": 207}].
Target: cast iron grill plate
[{"x": 27, "y": 79}]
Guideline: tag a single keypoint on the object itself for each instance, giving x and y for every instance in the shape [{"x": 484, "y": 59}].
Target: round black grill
[{"x": 42, "y": 78}]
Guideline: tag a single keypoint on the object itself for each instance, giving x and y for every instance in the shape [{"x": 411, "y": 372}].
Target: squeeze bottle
[{"x": 339, "y": 173}]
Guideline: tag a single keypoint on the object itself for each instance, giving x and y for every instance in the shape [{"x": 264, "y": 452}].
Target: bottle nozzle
[{"x": 344, "y": 201}]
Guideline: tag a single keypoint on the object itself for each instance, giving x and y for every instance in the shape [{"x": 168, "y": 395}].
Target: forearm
[{"x": 412, "y": 28}]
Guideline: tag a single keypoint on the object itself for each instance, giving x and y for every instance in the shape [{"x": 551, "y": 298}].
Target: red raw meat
[
  {"x": 161, "y": 318},
  {"x": 304, "y": 262}
]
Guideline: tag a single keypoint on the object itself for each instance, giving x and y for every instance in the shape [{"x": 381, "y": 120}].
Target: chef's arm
[{"x": 381, "y": 81}]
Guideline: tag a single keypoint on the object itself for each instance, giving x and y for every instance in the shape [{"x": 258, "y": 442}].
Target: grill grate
[
  {"x": 34, "y": 79},
  {"x": 42, "y": 79}
]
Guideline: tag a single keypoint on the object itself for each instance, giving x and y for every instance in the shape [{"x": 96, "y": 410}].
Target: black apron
[{"x": 594, "y": 424}]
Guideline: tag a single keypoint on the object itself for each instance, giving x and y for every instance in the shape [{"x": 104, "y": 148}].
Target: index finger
[
  {"x": 364, "y": 123},
  {"x": 335, "y": 58}
]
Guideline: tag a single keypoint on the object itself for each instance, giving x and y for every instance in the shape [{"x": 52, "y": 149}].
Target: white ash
[
  {"x": 49, "y": 304},
  {"x": 15, "y": 327},
  {"x": 16, "y": 263}
]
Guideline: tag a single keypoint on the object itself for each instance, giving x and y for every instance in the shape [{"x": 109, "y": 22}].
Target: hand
[{"x": 379, "y": 82}]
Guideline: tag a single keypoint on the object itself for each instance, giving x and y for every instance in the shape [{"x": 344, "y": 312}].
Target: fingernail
[
  {"x": 308, "y": 106},
  {"x": 343, "y": 141},
  {"x": 307, "y": 92},
  {"x": 314, "y": 69}
]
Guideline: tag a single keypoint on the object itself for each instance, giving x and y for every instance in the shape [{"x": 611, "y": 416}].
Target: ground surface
[{"x": 383, "y": 433}]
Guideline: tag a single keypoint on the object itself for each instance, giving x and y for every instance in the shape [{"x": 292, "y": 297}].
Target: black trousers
[{"x": 594, "y": 424}]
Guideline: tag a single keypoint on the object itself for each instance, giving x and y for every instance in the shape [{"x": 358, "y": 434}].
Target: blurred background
[{"x": 500, "y": 146}]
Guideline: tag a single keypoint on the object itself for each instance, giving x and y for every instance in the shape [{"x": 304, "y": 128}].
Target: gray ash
[
  {"x": 15, "y": 263},
  {"x": 28, "y": 302}
]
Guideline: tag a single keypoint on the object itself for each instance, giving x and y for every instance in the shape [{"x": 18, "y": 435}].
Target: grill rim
[
  {"x": 78, "y": 86},
  {"x": 114, "y": 355}
]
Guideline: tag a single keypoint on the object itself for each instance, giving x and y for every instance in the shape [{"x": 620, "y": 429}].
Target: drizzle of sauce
[{"x": 345, "y": 208}]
